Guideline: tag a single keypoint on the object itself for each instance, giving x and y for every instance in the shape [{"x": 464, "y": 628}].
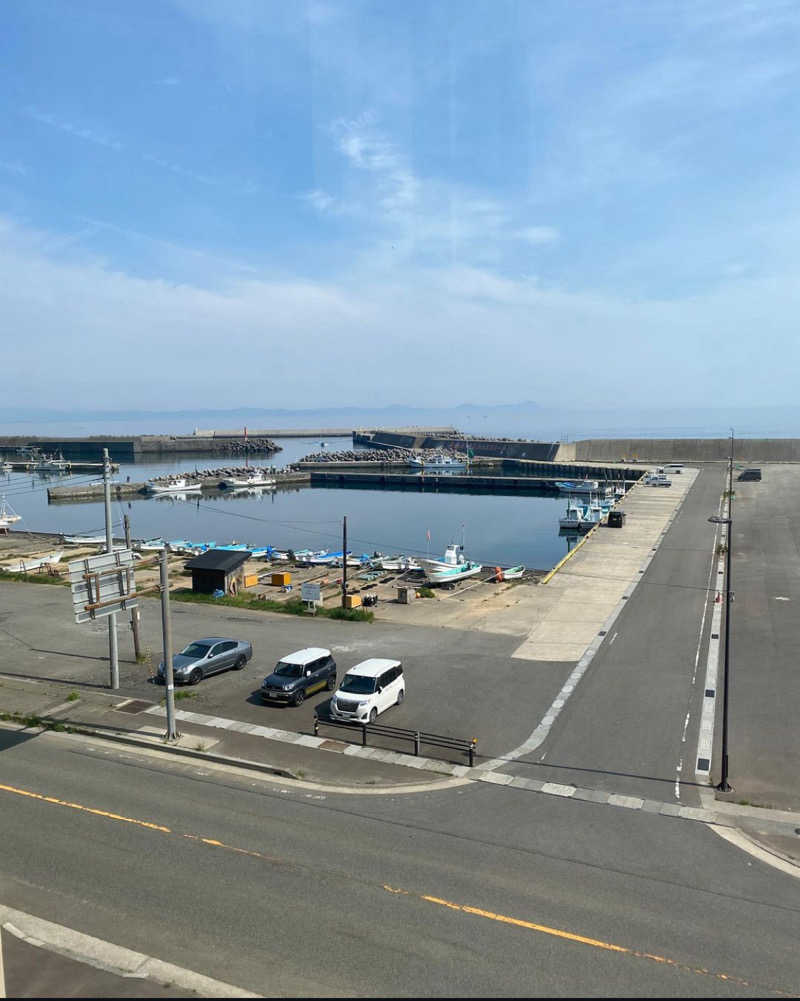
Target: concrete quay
[{"x": 94, "y": 491}]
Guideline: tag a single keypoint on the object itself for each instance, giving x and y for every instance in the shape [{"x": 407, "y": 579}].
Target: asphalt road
[
  {"x": 472, "y": 891},
  {"x": 631, "y": 725}
]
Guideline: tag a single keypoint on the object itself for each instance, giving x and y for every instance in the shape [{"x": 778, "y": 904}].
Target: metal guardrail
[{"x": 418, "y": 737}]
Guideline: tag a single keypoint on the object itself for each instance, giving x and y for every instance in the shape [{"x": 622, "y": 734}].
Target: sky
[{"x": 250, "y": 202}]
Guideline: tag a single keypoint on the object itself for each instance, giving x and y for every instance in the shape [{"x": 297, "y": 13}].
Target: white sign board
[
  {"x": 102, "y": 584},
  {"x": 311, "y": 592}
]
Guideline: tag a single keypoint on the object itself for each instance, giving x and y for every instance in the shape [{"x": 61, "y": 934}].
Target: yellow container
[
  {"x": 352, "y": 601},
  {"x": 281, "y": 579},
  {"x": 250, "y": 579}
]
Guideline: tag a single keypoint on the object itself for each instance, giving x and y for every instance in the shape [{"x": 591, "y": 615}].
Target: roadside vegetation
[
  {"x": 293, "y": 606},
  {"x": 32, "y": 578}
]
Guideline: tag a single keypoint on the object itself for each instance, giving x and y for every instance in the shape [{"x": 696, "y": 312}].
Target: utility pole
[
  {"x": 344, "y": 562},
  {"x": 137, "y": 646},
  {"x": 166, "y": 627},
  {"x": 113, "y": 650},
  {"x": 724, "y": 785}
]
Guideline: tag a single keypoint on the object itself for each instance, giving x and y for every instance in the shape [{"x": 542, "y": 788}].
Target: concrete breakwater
[
  {"x": 94, "y": 491},
  {"x": 485, "y": 483},
  {"x": 139, "y": 447}
]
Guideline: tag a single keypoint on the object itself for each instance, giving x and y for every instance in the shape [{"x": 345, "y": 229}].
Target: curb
[{"x": 110, "y": 957}]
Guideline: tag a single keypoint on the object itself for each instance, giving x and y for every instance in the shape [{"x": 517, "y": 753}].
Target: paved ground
[
  {"x": 36, "y": 972},
  {"x": 471, "y": 890},
  {"x": 764, "y": 739}
]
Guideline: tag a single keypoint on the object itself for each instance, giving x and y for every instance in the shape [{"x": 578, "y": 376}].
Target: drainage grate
[
  {"x": 703, "y": 764},
  {"x": 710, "y": 693},
  {"x": 133, "y": 706},
  {"x": 715, "y": 636}
]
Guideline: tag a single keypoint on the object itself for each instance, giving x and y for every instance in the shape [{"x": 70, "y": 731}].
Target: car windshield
[
  {"x": 289, "y": 670},
  {"x": 195, "y": 650},
  {"x": 357, "y": 684}
]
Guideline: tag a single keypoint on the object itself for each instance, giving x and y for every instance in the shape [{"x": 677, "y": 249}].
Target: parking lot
[{"x": 458, "y": 683}]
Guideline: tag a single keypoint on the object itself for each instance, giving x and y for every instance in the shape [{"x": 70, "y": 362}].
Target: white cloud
[{"x": 489, "y": 335}]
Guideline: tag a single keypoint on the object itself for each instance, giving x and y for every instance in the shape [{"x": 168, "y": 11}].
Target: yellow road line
[
  {"x": 85, "y": 809},
  {"x": 584, "y": 940},
  {"x": 439, "y": 901}
]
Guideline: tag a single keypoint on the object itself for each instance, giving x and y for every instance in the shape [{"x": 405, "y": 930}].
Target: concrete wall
[{"x": 681, "y": 450}]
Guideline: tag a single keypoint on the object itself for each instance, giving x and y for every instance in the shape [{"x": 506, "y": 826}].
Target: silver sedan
[{"x": 207, "y": 656}]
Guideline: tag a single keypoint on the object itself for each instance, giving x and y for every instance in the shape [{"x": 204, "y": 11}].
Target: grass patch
[
  {"x": 72, "y": 697},
  {"x": 425, "y": 592},
  {"x": 183, "y": 695},
  {"x": 293, "y": 606},
  {"x": 32, "y": 578}
]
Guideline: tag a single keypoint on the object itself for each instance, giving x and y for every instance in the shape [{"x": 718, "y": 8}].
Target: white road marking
[{"x": 613, "y": 638}]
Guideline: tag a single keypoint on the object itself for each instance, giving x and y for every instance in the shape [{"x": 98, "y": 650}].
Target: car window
[
  {"x": 288, "y": 670},
  {"x": 229, "y": 645},
  {"x": 195, "y": 650},
  {"x": 217, "y": 649},
  {"x": 357, "y": 684}
]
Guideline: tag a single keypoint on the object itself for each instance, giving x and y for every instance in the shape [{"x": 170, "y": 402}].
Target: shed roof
[{"x": 219, "y": 559}]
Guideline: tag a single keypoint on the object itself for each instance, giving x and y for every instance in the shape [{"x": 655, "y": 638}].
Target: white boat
[
  {"x": 85, "y": 540},
  {"x": 257, "y": 478},
  {"x": 578, "y": 485},
  {"x": 574, "y": 516},
  {"x": 512, "y": 573},
  {"x": 454, "y": 566},
  {"x": 440, "y": 462},
  {"x": 8, "y": 516},
  {"x": 151, "y": 545},
  {"x": 7, "y": 467},
  {"x": 51, "y": 464},
  {"x": 26, "y": 565},
  {"x": 398, "y": 563},
  {"x": 172, "y": 485}
]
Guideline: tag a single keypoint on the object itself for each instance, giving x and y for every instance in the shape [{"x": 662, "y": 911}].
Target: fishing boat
[
  {"x": 171, "y": 485},
  {"x": 452, "y": 567},
  {"x": 440, "y": 462},
  {"x": 8, "y": 516},
  {"x": 7, "y": 467},
  {"x": 85, "y": 540},
  {"x": 579, "y": 516},
  {"x": 188, "y": 547},
  {"x": 51, "y": 464},
  {"x": 398, "y": 563},
  {"x": 24, "y": 565},
  {"x": 256, "y": 478}
]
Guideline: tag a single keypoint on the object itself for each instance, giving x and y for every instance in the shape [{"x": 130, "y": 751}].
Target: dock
[{"x": 93, "y": 492}]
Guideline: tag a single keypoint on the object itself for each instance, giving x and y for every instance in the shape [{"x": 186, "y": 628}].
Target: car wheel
[
  {"x": 298, "y": 698},
  {"x": 400, "y": 696},
  {"x": 240, "y": 663},
  {"x": 196, "y": 676},
  {"x": 373, "y": 715},
  {"x": 331, "y": 683}
]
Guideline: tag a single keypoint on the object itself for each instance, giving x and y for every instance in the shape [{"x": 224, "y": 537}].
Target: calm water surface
[{"x": 498, "y": 530}]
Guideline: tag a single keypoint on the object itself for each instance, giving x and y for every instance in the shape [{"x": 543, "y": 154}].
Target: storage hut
[{"x": 218, "y": 570}]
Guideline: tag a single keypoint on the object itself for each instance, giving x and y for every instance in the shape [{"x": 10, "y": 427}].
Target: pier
[{"x": 89, "y": 492}]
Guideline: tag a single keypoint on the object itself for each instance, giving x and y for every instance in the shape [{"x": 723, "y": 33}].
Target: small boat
[
  {"x": 454, "y": 566},
  {"x": 512, "y": 573},
  {"x": 398, "y": 563},
  {"x": 151, "y": 545},
  {"x": 578, "y": 516},
  {"x": 26, "y": 565},
  {"x": 578, "y": 486},
  {"x": 7, "y": 467},
  {"x": 51, "y": 464},
  {"x": 85, "y": 540},
  {"x": 236, "y": 547},
  {"x": 437, "y": 462},
  {"x": 187, "y": 547},
  {"x": 172, "y": 485},
  {"x": 8, "y": 516},
  {"x": 257, "y": 478}
]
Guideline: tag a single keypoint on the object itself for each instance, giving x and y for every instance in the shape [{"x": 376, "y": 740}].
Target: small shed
[{"x": 218, "y": 570}]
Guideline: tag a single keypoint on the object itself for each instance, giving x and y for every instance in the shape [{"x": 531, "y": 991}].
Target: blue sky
[{"x": 298, "y": 204}]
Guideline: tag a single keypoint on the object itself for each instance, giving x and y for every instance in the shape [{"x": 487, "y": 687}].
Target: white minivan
[{"x": 368, "y": 689}]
